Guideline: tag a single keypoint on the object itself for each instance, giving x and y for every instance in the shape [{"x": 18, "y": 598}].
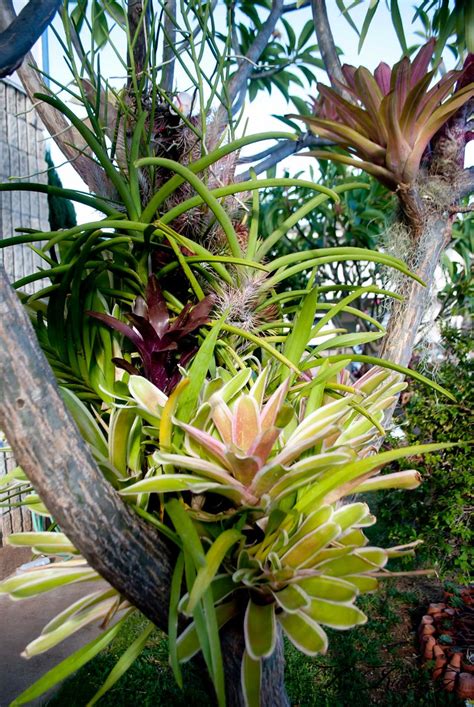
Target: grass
[{"x": 375, "y": 664}]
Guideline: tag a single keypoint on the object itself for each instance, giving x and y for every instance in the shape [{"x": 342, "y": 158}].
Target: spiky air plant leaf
[
  {"x": 161, "y": 344},
  {"x": 387, "y": 127}
]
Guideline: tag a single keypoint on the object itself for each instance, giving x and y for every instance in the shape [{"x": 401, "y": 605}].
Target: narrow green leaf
[
  {"x": 300, "y": 334},
  {"x": 251, "y": 676},
  {"x": 175, "y": 594},
  {"x": 186, "y": 531},
  {"x": 348, "y": 340},
  {"x": 398, "y": 24},
  {"x": 121, "y": 423},
  {"x": 214, "y": 558},
  {"x": 197, "y": 373}
]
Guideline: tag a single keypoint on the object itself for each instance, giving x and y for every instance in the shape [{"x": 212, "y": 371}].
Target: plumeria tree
[{"x": 188, "y": 424}]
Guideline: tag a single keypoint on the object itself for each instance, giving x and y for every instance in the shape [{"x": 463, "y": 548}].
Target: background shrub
[{"x": 439, "y": 511}]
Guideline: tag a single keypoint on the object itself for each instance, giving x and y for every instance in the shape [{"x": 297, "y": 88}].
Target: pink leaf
[
  {"x": 382, "y": 75},
  {"x": 245, "y": 422},
  {"x": 263, "y": 446},
  {"x": 243, "y": 467},
  {"x": 222, "y": 418},
  {"x": 421, "y": 62},
  {"x": 273, "y": 405},
  {"x": 210, "y": 444}
]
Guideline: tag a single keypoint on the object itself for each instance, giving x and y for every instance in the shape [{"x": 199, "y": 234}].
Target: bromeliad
[
  {"x": 162, "y": 344},
  {"x": 392, "y": 117},
  {"x": 260, "y": 450}
]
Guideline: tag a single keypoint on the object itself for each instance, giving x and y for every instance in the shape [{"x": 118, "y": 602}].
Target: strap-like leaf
[
  {"x": 251, "y": 676},
  {"x": 260, "y": 630},
  {"x": 335, "y": 615},
  {"x": 304, "y": 633},
  {"x": 214, "y": 558}
]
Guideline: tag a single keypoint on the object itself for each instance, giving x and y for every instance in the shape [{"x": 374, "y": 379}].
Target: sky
[{"x": 380, "y": 44}]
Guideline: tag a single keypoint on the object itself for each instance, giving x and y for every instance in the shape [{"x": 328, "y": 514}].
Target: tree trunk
[
  {"x": 272, "y": 691},
  {"x": 406, "y": 316},
  {"x": 126, "y": 551}
]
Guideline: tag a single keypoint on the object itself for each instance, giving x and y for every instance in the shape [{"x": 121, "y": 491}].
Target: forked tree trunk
[{"x": 129, "y": 553}]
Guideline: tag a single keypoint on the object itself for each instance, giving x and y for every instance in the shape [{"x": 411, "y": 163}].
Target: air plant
[
  {"x": 161, "y": 344},
  {"x": 390, "y": 117}
]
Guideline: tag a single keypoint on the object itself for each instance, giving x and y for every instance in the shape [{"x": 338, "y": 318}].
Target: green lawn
[{"x": 373, "y": 665}]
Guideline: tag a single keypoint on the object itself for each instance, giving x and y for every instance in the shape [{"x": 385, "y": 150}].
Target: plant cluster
[
  {"x": 440, "y": 512},
  {"x": 217, "y": 406}
]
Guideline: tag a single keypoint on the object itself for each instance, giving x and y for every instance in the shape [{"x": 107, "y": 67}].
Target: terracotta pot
[
  {"x": 430, "y": 643},
  {"x": 452, "y": 671},
  {"x": 455, "y": 662},
  {"x": 436, "y": 608},
  {"x": 467, "y": 667},
  {"x": 428, "y": 630},
  {"x": 426, "y": 619},
  {"x": 465, "y": 688},
  {"x": 440, "y": 662},
  {"x": 449, "y": 679},
  {"x": 450, "y": 612},
  {"x": 442, "y": 615}
]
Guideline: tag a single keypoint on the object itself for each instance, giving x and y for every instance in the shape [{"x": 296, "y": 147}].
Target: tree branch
[
  {"x": 126, "y": 551},
  {"x": 266, "y": 73},
  {"x": 20, "y": 33},
  {"x": 296, "y": 6},
  {"x": 138, "y": 27},
  {"x": 169, "y": 40},
  {"x": 65, "y": 136},
  {"x": 327, "y": 47},
  {"x": 241, "y": 76},
  {"x": 466, "y": 182},
  {"x": 278, "y": 152}
]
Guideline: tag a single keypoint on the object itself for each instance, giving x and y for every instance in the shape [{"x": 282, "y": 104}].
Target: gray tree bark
[{"x": 406, "y": 317}]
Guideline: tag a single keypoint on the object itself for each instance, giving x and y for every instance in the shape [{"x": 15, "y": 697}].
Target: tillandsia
[
  {"x": 390, "y": 117},
  {"x": 251, "y": 491}
]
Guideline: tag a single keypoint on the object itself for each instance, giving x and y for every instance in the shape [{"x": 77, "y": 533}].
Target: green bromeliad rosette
[
  {"x": 251, "y": 492},
  {"x": 267, "y": 471}
]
